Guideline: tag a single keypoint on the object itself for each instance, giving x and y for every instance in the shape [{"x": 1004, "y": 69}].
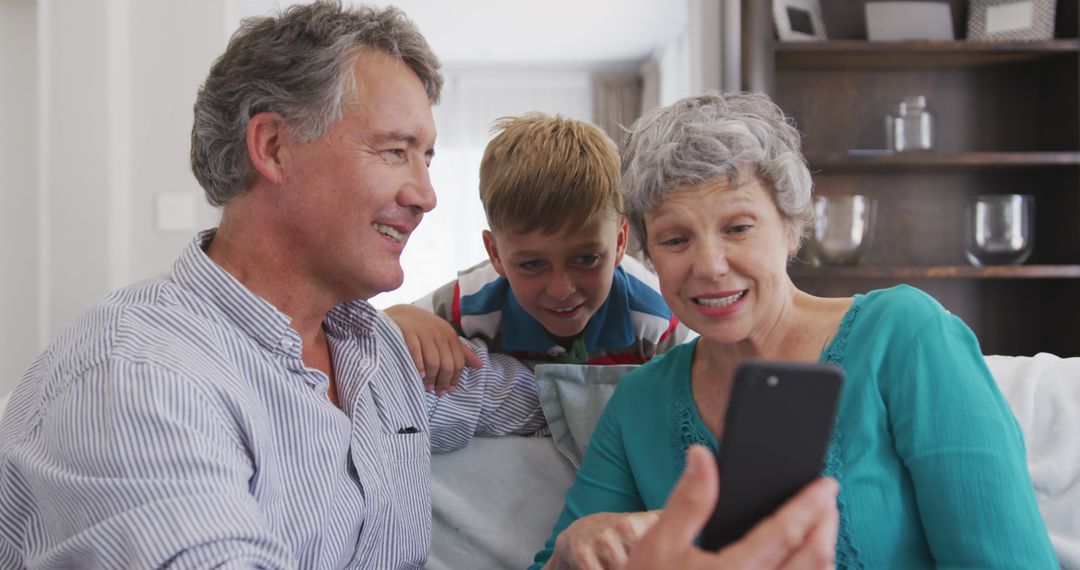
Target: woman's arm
[
  {"x": 604, "y": 484},
  {"x": 965, "y": 452}
]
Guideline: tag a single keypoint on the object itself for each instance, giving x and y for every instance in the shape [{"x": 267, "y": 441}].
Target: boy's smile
[{"x": 561, "y": 279}]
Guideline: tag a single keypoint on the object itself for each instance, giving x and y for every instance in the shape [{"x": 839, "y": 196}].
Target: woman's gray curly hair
[
  {"x": 300, "y": 66},
  {"x": 703, "y": 137}
]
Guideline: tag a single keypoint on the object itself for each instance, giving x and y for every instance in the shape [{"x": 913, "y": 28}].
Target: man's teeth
[
  {"x": 720, "y": 301},
  {"x": 566, "y": 310},
  {"x": 388, "y": 232}
]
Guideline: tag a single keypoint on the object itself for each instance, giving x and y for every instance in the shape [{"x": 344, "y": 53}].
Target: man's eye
[
  {"x": 396, "y": 154},
  {"x": 671, "y": 242}
]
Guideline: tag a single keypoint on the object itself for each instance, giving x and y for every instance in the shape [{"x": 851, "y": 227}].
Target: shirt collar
[
  {"x": 610, "y": 327},
  {"x": 253, "y": 315}
]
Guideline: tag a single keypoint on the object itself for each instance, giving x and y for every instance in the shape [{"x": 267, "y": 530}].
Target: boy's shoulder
[{"x": 642, "y": 288}]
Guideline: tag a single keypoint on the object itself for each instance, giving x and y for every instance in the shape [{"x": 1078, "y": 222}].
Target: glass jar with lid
[{"x": 912, "y": 127}]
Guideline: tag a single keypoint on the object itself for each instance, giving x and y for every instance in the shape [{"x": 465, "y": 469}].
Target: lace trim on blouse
[{"x": 688, "y": 430}]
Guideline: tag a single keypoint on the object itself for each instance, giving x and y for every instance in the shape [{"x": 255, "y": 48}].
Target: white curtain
[{"x": 448, "y": 239}]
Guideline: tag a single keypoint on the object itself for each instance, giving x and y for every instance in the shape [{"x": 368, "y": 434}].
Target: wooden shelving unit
[
  {"x": 861, "y": 160},
  {"x": 1007, "y": 120},
  {"x": 938, "y": 272},
  {"x": 855, "y": 54}
]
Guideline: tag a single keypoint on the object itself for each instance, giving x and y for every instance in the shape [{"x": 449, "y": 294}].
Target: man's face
[
  {"x": 353, "y": 196},
  {"x": 561, "y": 279}
]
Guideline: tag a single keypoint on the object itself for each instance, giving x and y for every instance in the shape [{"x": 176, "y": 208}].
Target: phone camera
[{"x": 772, "y": 381}]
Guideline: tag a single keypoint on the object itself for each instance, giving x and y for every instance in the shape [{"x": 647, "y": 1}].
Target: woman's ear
[
  {"x": 794, "y": 236},
  {"x": 265, "y": 137}
]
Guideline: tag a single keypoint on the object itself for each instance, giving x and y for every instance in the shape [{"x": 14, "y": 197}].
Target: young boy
[{"x": 557, "y": 286}]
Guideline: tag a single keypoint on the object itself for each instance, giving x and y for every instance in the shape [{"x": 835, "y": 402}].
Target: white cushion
[
  {"x": 573, "y": 397},
  {"x": 1044, "y": 393}
]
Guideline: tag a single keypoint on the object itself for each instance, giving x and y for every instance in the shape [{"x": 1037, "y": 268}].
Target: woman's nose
[{"x": 710, "y": 261}]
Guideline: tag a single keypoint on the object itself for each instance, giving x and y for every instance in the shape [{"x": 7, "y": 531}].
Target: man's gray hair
[
  {"x": 299, "y": 65},
  {"x": 700, "y": 138}
]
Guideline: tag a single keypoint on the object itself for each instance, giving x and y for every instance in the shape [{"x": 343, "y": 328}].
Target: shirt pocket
[{"x": 407, "y": 447}]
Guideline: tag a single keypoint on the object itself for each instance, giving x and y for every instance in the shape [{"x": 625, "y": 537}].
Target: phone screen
[{"x": 777, "y": 428}]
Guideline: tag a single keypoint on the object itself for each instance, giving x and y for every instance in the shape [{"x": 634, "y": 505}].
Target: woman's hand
[
  {"x": 436, "y": 349},
  {"x": 599, "y": 541},
  {"x": 801, "y": 534}
]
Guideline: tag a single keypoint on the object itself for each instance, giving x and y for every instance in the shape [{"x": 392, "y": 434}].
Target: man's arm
[
  {"x": 131, "y": 466},
  {"x": 498, "y": 398}
]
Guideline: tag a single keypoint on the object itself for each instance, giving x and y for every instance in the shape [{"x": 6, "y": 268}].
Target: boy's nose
[{"x": 560, "y": 286}]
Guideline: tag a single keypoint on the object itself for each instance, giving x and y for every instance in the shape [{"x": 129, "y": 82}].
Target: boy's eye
[
  {"x": 587, "y": 261},
  {"x": 531, "y": 265}
]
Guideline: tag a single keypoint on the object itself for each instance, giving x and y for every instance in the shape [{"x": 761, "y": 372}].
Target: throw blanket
[{"x": 1044, "y": 392}]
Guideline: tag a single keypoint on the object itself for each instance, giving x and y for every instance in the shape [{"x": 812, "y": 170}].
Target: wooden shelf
[
  {"x": 846, "y": 161},
  {"x": 938, "y": 272},
  {"x": 854, "y": 54}
]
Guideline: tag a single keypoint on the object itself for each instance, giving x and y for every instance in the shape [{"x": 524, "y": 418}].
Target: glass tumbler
[
  {"x": 999, "y": 229},
  {"x": 842, "y": 229}
]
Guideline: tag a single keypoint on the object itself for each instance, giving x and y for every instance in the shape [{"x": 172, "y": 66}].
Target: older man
[{"x": 249, "y": 408}]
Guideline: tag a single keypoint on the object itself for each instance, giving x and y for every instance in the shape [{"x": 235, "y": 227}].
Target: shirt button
[{"x": 287, "y": 343}]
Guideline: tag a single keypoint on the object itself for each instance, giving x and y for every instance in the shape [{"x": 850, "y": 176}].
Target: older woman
[{"x": 929, "y": 457}]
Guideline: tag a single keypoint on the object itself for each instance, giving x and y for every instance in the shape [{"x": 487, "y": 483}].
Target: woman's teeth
[
  {"x": 388, "y": 232},
  {"x": 720, "y": 301}
]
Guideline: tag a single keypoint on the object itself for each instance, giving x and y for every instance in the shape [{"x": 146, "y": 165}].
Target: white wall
[
  {"x": 18, "y": 189},
  {"x": 110, "y": 111}
]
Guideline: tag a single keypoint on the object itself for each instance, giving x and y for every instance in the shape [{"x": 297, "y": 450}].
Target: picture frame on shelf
[
  {"x": 798, "y": 20},
  {"x": 1011, "y": 20}
]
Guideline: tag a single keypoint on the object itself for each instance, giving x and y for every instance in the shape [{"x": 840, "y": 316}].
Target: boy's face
[{"x": 561, "y": 279}]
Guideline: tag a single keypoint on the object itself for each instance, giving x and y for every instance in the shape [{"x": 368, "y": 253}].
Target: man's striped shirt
[{"x": 175, "y": 424}]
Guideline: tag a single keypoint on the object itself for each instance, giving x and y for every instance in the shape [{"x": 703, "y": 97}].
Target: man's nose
[{"x": 419, "y": 194}]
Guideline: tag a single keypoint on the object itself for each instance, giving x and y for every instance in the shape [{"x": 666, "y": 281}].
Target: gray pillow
[{"x": 573, "y": 395}]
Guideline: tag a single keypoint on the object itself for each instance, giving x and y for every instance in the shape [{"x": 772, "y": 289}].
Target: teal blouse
[{"x": 929, "y": 457}]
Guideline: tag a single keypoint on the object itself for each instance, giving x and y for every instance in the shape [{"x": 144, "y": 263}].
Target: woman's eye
[
  {"x": 672, "y": 242},
  {"x": 740, "y": 228}
]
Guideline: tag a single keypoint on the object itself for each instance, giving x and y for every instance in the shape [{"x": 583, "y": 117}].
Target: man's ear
[
  {"x": 265, "y": 137},
  {"x": 493, "y": 253},
  {"x": 622, "y": 240}
]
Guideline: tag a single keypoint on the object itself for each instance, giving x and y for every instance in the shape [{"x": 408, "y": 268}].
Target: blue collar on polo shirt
[{"x": 610, "y": 328}]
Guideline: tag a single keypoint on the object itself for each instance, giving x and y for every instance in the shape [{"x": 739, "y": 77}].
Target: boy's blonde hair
[{"x": 548, "y": 173}]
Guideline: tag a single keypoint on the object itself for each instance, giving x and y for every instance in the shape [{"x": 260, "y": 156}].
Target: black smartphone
[{"x": 778, "y": 425}]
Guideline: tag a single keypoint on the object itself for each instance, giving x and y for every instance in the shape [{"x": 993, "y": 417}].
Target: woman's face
[{"x": 721, "y": 254}]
